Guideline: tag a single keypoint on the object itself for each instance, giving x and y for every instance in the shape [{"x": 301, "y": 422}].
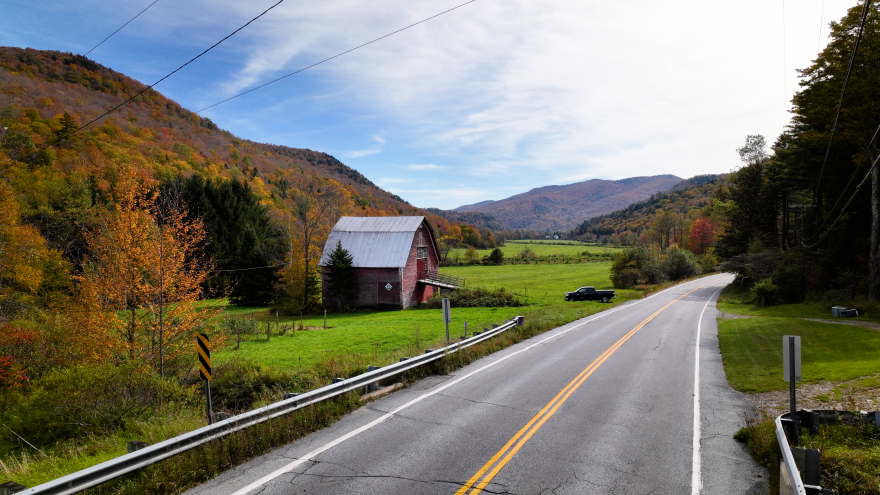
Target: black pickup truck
[{"x": 590, "y": 294}]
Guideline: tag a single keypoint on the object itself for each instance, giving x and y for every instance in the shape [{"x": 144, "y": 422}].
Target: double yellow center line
[{"x": 488, "y": 472}]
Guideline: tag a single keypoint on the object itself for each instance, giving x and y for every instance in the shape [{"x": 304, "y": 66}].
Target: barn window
[
  {"x": 422, "y": 252},
  {"x": 421, "y": 242}
]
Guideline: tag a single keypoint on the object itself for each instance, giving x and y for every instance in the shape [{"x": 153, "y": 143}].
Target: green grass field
[
  {"x": 379, "y": 337},
  {"x": 545, "y": 248},
  {"x": 751, "y": 349}
]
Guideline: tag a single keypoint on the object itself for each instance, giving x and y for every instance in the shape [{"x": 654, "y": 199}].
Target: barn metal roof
[
  {"x": 374, "y": 242},
  {"x": 378, "y": 224}
]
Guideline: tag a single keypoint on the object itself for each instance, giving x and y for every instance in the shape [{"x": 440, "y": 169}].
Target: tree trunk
[{"x": 874, "y": 261}]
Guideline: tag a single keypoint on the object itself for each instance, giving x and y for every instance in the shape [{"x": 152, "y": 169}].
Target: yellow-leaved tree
[
  {"x": 24, "y": 259},
  {"x": 311, "y": 209},
  {"x": 141, "y": 283}
]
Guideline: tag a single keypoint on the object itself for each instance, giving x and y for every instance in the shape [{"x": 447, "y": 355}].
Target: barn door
[
  {"x": 422, "y": 267},
  {"x": 389, "y": 293}
]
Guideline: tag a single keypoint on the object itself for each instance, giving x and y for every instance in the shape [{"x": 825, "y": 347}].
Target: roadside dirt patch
[
  {"x": 866, "y": 324},
  {"x": 848, "y": 395},
  {"x": 733, "y": 316}
]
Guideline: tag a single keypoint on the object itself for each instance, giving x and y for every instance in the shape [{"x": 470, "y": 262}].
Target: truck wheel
[{"x": 604, "y": 299}]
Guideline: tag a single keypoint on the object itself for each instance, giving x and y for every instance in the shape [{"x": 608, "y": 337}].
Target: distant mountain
[{"x": 557, "y": 208}]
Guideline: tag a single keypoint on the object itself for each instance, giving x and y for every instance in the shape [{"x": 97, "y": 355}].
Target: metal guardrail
[
  {"x": 794, "y": 476},
  {"x": 791, "y": 481},
  {"x": 122, "y": 465}
]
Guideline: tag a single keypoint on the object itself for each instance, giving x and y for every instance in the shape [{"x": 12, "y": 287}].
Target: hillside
[
  {"x": 557, "y": 208},
  {"x": 627, "y": 224},
  {"x": 38, "y": 87}
]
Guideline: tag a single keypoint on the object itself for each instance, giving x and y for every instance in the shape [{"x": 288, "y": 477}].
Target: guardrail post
[
  {"x": 807, "y": 461},
  {"x": 337, "y": 380},
  {"x": 371, "y": 387},
  {"x": 520, "y": 321},
  {"x": 134, "y": 445},
  {"x": 11, "y": 487},
  {"x": 288, "y": 395}
]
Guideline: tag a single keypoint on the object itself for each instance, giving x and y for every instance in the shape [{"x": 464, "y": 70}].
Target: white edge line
[
  {"x": 269, "y": 477},
  {"x": 696, "y": 469}
]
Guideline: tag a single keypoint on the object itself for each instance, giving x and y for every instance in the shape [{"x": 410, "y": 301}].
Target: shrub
[
  {"x": 240, "y": 383},
  {"x": 479, "y": 297},
  {"x": 680, "y": 263},
  {"x": 763, "y": 292},
  {"x": 527, "y": 253},
  {"x": 636, "y": 266},
  {"x": 496, "y": 257},
  {"x": 93, "y": 398}
]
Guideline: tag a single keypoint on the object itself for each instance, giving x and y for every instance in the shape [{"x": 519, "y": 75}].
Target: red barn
[{"x": 395, "y": 260}]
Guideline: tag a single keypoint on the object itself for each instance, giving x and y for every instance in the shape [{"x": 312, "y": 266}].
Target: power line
[
  {"x": 821, "y": 18},
  {"x": 784, "y": 61},
  {"x": 842, "y": 210},
  {"x": 334, "y": 56},
  {"x": 842, "y": 93},
  {"x": 120, "y": 28},
  {"x": 99, "y": 44},
  {"x": 254, "y": 267},
  {"x": 843, "y": 193},
  {"x": 108, "y": 112},
  {"x": 262, "y": 85}
]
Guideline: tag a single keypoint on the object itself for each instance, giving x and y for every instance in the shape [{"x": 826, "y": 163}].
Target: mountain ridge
[{"x": 562, "y": 207}]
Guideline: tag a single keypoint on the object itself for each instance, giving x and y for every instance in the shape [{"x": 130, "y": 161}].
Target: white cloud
[
  {"x": 523, "y": 92},
  {"x": 361, "y": 153},
  {"x": 426, "y": 167}
]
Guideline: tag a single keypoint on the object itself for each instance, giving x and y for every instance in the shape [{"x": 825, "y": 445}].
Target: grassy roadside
[
  {"x": 840, "y": 370},
  {"x": 257, "y": 373},
  {"x": 265, "y": 380},
  {"x": 206, "y": 462}
]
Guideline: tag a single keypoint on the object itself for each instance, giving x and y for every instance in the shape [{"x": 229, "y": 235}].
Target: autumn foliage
[{"x": 138, "y": 294}]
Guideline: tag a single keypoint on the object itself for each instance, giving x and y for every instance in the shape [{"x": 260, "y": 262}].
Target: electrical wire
[
  {"x": 852, "y": 58},
  {"x": 821, "y": 18},
  {"x": 108, "y": 112},
  {"x": 843, "y": 193},
  {"x": 254, "y": 267},
  {"x": 334, "y": 56},
  {"x": 784, "y": 61},
  {"x": 120, "y": 28},
  {"x": 96, "y": 46},
  {"x": 858, "y": 188}
]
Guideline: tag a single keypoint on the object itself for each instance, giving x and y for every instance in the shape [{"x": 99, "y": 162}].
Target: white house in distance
[{"x": 395, "y": 260}]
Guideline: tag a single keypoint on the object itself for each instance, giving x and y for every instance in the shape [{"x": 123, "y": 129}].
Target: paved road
[{"x": 603, "y": 405}]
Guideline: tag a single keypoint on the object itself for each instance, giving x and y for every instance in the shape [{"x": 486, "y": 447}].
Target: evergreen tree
[
  {"x": 68, "y": 127},
  {"x": 340, "y": 276}
]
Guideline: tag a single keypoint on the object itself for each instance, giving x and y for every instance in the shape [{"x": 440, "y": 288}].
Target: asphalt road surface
[{"x": 603, "y": 405}]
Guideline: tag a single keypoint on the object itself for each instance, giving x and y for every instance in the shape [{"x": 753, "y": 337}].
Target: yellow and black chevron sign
[{"x": 204, "y": 356}]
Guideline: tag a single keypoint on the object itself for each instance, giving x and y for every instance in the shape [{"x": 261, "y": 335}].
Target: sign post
[
  {"x": 205, "y": 369},
  {"x": 791, "y": 369},
  {"x": 446, "y": 317}
]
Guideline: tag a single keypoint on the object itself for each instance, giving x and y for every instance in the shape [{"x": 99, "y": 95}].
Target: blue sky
[{"x": 485, "y": 102}]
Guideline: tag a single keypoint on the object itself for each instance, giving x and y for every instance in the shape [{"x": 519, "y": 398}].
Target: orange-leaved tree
[{"x": 141, "y": 283}]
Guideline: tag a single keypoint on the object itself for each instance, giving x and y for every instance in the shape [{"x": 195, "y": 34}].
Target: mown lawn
[
  {"x": 380, "y": 336},
  {"x": 751, "y": 349}
]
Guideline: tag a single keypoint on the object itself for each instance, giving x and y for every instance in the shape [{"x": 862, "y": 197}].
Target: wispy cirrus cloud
[{"x": 426, "y": 166}]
